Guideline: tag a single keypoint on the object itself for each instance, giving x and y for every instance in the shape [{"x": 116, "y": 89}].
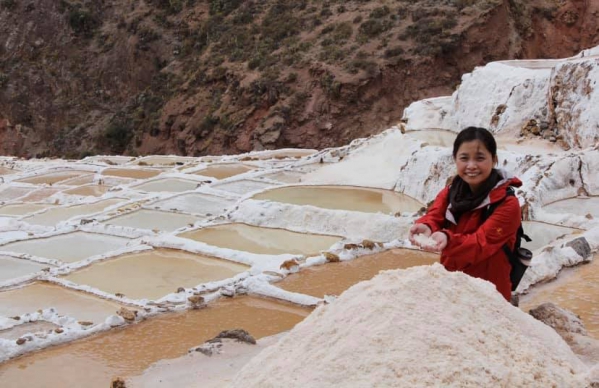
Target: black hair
[{"x": 475, "y": 133}]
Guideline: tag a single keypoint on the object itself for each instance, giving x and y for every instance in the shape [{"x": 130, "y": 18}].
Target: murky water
[
  {"x": 110, "y": 159},
  {"x": 334, "y": 278},
  {"x": 125, "y": 352},
  {"x": 80, "y": 305},
  {"x": 88, "y": 191},
  {"x": 579, "y": 206},
  {"x": 262, "y": 240},
  {"x": 286, "y": 176},
  {"x": 194, "y": 203},
  {"x": 543, "y": 234},
  {"x": 7, "y": 171},
  {"x": 27, "y": 328},
  {"x": 12, "y": 268},
  {"x": 10, "y": 193},
  {"x": 136, "y": 173},
  {"x": 68, "y": 247},
  {"x": 223, "y": 171},
  {"x": 436, "y": 137},
  {"x": 157, "y": 273},
  {"x": 343, "y": 198},
  {"x": 168, "y": 184},
  {"x": 242, "y": 187},
  {"x": 281, "y": 153},
  {"x": 59, "y": 214},
  {"x": 78, "y": 181},
  {"x": 575, "y": 289},
  {"x": 153, "y": 219},
  {"x": 52, "y": 178},
  {"x": 20, "y": 209},
  {"x": 40, "y": 194}
]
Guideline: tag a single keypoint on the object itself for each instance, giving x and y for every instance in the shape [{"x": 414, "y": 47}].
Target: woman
[{"x": 454, "y": 221}]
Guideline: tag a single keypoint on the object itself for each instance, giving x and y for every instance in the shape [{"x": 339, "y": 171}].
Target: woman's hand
[
  {"x": 441, "y": 239},
  {"x": 418, "y": 229}
]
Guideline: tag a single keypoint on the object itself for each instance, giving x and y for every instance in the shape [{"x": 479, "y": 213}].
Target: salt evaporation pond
[
  {"x": 59, "y": 214},
  {"x": 285, "y": 176},
  {"x": 576, "y": 289},
  {"x": 243, "y": 186},
  {"x": 194, "y": 203},
  {"x": 81, "y": 180},
  {"x": 222, "y": 171},
  {"x": 361, "y": 199},
  {"x": 88, "y": 191},
  {"x": 434, "y": 137},
  {"x": 163, "y": 160},
  {"x": 167, "y": 185},
  {"x": 52, "y": 178},
  {"x": 20, "y": 209},
  {"x": 334, "y": 278},
  {"x": 40, "y": 194},
  {"x": 12, "y": 268},
  {"x": 76, "y": 304},
  {"x": 261, "y": 240},
  {"x": 69, "y": 247},
  {"x": 153, "y": 219},
  {"x": 7, "y": 171},
  {"x": 135, "y": 173},
  {"x": 154, "y": 274},
  {"x": 126, "y": 352},
  {"x": 116, "y": 159},
  {"x": 580, "y": 206},
  {"x": 13, "y": 192},
  {"x": 542, "y": 234}
]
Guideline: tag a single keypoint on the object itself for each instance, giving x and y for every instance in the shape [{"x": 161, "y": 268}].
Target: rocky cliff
[{"x": 227, "y": 76}]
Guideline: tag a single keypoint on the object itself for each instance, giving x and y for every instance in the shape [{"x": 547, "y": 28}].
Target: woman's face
[{"x": 474, "y": 163}]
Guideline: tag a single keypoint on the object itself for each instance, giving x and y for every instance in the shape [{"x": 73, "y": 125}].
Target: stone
[
  {"x": 558, "y": 318},
  {"x": 118, "y": 382},
  {"x": 237, "y": 334},
  {"x": 128, "y": 315},
  {"x": 21, "y": 341},
  {"x": 368, "y": 244},
  {"x": 581, "y": 246},
  {"x": 331, "y": 257}
]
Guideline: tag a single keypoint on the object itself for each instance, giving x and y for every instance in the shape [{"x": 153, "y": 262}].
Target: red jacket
[{"x": 473, "y": 248}]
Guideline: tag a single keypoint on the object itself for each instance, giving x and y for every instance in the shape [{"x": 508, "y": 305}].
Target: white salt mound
[
  {"x": 418, "y": 327},
  {"x": 424, "y": 241}
]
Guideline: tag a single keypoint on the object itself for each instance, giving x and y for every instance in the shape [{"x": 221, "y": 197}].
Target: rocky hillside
[{"x": 195, "y": 77}]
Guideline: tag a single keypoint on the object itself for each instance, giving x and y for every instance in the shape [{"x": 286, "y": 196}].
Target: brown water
[
  {"x": 12, "y": 268},
  {"x": 126, "y": 352},
  {"x": 168, "y": 185},
  {"x": 576, "y": 289},
  {"x": 88, "y": 191},
  {"x": 286, "y": 176},
  {"x": 69, "y": 247},
  {"x": 156, "y": 273},
  {"x": 334, "y": 278},
  {"x": 78, "y": 181},
  {"x": 223, "y": 171},
  {"x": 80, "y": 305},
  {"x": 153, "y": 219},
  {"x": 136, "y": 173},
  {"x": 579, "y": 206},
  {"x": 20, "y": 209},
  {"x": 7, "y": 171},
  {"x": 543, "y": 234},
  {"x": 162, "y": 160},
  {"x": 260, "y": 240},
  {"x": 11, "y": 193},
  {"x": 59, "y": 214},
  {"x": 40, "y": 194},
  {"x": 52, "y": 178},
  {"x": 343, "y": 198},
  {"x": 27, "y": 328}
]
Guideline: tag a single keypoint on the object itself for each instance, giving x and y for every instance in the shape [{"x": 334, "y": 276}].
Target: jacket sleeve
[
  {"x": 435, "y": 215},
  {"x": 463, "y": 250}
]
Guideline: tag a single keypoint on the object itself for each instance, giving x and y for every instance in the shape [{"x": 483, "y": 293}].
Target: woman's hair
[{"x": 475, "y": 133}]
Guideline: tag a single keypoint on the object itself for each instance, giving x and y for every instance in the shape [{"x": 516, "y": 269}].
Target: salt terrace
[{"x": 172, "y": 250}]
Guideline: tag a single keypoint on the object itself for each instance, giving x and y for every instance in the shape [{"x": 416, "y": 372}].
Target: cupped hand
[
  {"x": 418, "y": 229},
  {"x": 441, "y": 242}
]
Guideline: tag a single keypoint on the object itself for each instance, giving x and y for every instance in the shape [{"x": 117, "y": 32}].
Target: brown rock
[
  {"x": 196, "y": 301},
  {"x": 128, "y": 315},
  {"x": 331, "y": 257},
  {"x": 58, "y": 330},
  {"x": 368, "y": 244},
  {"x": 288, "y": 264},
  {"x": 118, "y": 382},
  {"x": 21, "y": 341},
  {"x": 85, "y": 323},
  {"x": 351, "y": 246}
]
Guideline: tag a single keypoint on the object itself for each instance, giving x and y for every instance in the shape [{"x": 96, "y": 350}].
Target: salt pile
[
  {"x": 418, "y": 327},
  {"x": 425, "y": 241}
]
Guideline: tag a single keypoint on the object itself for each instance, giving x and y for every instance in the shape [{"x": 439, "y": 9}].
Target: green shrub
[
  {"x": 379, "y": 12},
  {"x": 393, "y": 52},
  {"x": 223, "y": 7},
  {"x": 8, "y": 4},
  {"x": 3, "y": 79},
  {"x": 372, "y": 28},
  {"x": 83, "y": 22}
]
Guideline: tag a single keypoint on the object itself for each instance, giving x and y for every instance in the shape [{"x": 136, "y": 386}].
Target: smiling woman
[{"x": 456, "y": 221}]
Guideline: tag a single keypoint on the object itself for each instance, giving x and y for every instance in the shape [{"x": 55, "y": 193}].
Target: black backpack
[{"x": 520, "y": 257}]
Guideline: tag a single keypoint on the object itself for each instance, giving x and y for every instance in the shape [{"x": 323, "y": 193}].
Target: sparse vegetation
[
  {"x": 8, "y": 4},
  {"x": 82, "y": 21}
]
